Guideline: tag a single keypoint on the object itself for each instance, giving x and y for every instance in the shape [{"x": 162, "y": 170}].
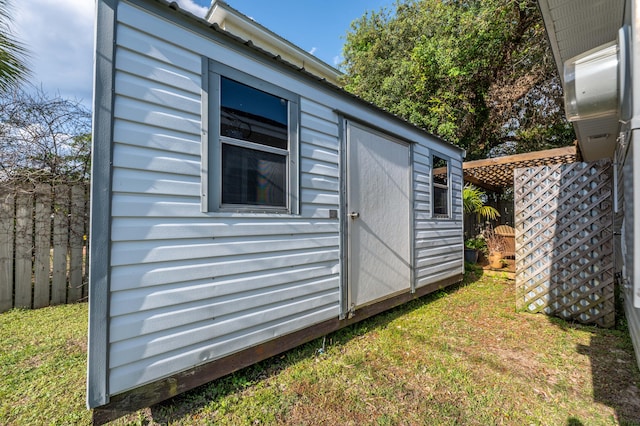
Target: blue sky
[
  {"x": 317, "y": 26},
  {"x": 59, "y": 33}
]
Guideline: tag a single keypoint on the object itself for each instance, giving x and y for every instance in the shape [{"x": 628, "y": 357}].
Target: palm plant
[
  {"x": 473, "y": 201},
  {"x": 13, "y": 54}
]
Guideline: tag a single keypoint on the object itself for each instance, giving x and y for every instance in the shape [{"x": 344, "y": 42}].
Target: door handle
[{"x": 354, "y": 215}]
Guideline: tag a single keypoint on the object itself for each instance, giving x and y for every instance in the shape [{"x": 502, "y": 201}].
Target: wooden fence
[
  {"x": 564, "y": 241},
  {"x": 43, "y": 246}
]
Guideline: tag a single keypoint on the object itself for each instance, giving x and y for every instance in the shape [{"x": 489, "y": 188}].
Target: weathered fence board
[
  {"x": 42, "y": 240},
  {"x": 43, "y": 246},
  {"x": 23, "y": 251},
  {"x": 564, "y": 250},
  {"x": 76, "y": 242},
  {"x": 60, "y": 244},
  {"x": 7, "y": 223}
]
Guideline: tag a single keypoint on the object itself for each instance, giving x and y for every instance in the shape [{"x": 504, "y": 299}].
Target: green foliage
[
  {"x": 12, "y": 53},
  {"x": 42, "y": 365},
  {"x": 476, "y": 243},
  {"x": 473, "y": 199},
  {"x": 479, "y": 73}
]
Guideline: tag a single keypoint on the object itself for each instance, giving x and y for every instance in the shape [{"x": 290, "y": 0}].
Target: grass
[
  {"x": 42, "y": 365},
  {"x": 460, "y": 356}
]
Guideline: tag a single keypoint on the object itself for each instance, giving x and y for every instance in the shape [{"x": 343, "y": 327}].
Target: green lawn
[{"x": 461, "y": 356}]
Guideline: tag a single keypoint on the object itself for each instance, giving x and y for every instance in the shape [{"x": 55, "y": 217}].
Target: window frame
[
  {"x": 435, "y": 215},
  {"x": 213, "y": 141}
]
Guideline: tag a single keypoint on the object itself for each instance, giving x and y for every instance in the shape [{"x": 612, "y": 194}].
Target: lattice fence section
[{"x": 564, "y": 242}]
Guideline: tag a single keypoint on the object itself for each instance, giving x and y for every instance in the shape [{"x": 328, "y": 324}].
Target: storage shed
[{"x": 242, "y": 205}]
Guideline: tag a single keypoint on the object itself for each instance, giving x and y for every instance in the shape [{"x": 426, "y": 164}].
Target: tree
[
  {"x": 479, "y": 73},
  {"x": 473, "y": 201},
  {"x": 12, "y": 53},
  {"x": 43, "y": 139}
]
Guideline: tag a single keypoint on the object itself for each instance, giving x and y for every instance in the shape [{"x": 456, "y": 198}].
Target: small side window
[{"x": 440, "y": 186}]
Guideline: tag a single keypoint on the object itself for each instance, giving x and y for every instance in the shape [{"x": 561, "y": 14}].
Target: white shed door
[{"x": 378, "y": 216}]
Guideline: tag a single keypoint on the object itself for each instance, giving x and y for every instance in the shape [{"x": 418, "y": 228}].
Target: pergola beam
[
  {"x": 521, "y": 158},
  {"x": 495, "y": 174}
]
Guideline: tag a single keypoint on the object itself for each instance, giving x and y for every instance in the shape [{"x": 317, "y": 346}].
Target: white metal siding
[
  {"x": 438, "y": 242},
  {"x": 630, "y": 284},
  {"x": 188, "y": 287}
]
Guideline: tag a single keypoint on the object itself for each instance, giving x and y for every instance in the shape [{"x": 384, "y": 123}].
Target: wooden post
[
  {"x": 7, "y": 218},
  {"x": 76, "y": 240},
  {"x": 24, "y": 250},
  {"x": 42, "y": 239},
  {"x": 60, "y": 244}
]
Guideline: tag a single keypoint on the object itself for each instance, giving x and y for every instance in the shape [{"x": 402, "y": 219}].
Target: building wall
[
  {"x": 187, "y": 287},
  {"x": 628, "y": 156},
  {"x": 625, "y": 227},
  {"x": 438, "y": 243}
]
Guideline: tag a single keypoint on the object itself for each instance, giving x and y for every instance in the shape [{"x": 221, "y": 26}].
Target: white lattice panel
[{"x": 564, "y": 244}]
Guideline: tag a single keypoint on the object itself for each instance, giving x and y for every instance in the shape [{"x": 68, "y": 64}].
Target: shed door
[{"x": 378, "y": 216}]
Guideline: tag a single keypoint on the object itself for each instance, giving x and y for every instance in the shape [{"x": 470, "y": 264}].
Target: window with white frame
[
  {"x": 440, "y": 185},
  {"x": 253, "y": 142}
]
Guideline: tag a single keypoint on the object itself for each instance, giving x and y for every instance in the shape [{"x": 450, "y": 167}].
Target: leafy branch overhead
[{"x": 479, "y": 73}]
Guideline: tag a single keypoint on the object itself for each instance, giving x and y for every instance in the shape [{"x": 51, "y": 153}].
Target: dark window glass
[
  {"x": 440, "y": 176},
  {"x": 440, "y": 170},
  {"x": 252, "y": 115},
  {"x": 440, "y": 201},
  {"x": 253, "y": 177}
]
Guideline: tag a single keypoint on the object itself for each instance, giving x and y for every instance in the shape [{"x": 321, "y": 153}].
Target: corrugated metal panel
[
  {"x": 629, "y": 280},
  {"x": 144, "y": 299},
  {"x": 438, "y": 243},
  {"x": 132, "y": 229},
  {"x": 147, "y": 334},
  {"x": 633, "y": 321},
  {"x": 188, "y": 287},
  {"x": 146, "y": 370},
  {"x": 319, "y": 160}
]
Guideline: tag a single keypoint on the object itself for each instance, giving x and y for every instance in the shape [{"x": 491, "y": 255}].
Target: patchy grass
[
  {"x": 43, "y": 366},
  {"x": 460, "y": 356}
]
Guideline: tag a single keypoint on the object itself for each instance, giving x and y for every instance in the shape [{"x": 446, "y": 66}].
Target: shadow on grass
[
  {"x": 192, "y": 401},
  {"x": 615, "y": 376},
  {"x": 614, "y": 370}
]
